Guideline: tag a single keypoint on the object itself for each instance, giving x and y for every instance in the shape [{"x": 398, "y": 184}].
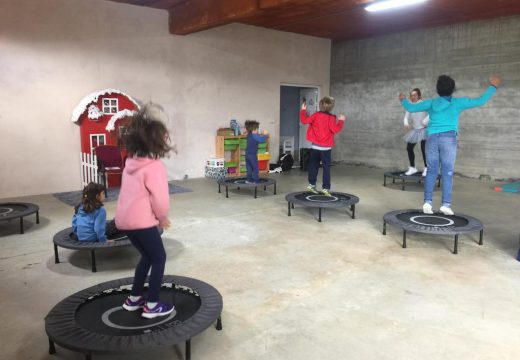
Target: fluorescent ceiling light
[{"x": 391, "y": 4}]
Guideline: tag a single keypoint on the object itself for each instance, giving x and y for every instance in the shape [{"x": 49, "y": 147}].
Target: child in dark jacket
[
  {"x": 322, "y": 128},
  {"x": 89, "y": 219},
  {"x": 253, "y": 139}
]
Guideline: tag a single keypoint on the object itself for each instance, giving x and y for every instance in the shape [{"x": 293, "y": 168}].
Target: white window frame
[
  {"x": 97, "y": 137},
  {"x": 111, "y": 108}
]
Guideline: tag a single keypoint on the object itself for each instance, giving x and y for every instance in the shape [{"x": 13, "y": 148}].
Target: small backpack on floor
[{"x": 286, "y": 162}]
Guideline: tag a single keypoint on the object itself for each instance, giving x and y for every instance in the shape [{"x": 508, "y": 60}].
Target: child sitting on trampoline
[
  {"x": 321, "y": 131},
  {"x": 143, "y": 204},
  {"x": 253, "y": 139},
  {"x": 89, "y": 219},
  {"x": 441, "y": 142}
]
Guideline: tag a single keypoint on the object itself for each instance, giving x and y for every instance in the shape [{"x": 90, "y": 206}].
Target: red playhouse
[{"x": 102, "y": 118}]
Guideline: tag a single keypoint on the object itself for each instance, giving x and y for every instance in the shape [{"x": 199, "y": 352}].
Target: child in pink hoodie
[{"x": 143, "y": 206}]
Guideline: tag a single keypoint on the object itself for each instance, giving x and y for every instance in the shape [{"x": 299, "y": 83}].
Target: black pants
[
  {"x": 325, "y": 156},
  {"x": 411, "y": 155},
  {"x": 149, "y": 244}
]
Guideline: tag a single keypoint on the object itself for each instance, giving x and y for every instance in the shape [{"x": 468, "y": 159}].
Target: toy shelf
[{"x": 233, "y": 148}]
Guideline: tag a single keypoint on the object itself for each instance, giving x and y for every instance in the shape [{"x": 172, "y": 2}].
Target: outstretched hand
[
  {"x": 495, "y": 80},
  {"x": 402, "y": 96},
  {"x": 341, "y": 117},
  {"x": 304, "y": 106}
]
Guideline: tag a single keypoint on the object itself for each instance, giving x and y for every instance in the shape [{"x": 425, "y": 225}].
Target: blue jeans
[
  {"x": 441, "y": 148},
  {"x": 252, "y": 167},
  {"x": 149, "y": 244},
  {"x": 325, "y": 156}
]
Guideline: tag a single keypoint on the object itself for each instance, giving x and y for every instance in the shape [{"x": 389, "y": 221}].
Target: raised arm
[
  {"x": 468, "y": 103},
  {"x": 336, "y": 126},
  {"x": 303, "y": 115},
  {"x": 417, "y": 107}
]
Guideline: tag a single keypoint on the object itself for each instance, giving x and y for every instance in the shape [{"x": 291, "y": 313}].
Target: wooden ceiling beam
[{"x": 198, "y": 15}]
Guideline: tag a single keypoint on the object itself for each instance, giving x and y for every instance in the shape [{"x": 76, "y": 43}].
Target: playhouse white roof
[
  {"x": 118, "y": 115},
  {"x": 87, "y": 100}
]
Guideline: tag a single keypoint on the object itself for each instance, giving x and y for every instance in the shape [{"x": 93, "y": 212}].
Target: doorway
[{"x": 292, "y": 131}]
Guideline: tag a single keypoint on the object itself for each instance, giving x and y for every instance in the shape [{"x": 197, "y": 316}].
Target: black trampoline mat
[
  {"x": 319, "y": 198},
  {"x": 242, "y": 181},
  {"x": 402, "y": 174},
  {"x": 12, "y": 208},
  {"x": 103, "y": 313},
  {"x": 433, "y": 220}
]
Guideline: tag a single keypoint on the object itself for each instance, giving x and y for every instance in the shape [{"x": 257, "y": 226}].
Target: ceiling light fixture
[{"x": 390, "y": 4}]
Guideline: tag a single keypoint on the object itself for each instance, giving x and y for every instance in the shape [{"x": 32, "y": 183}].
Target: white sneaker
[
  {"x": 424, "y": 172},
  {"x": 446, "y": 210},
  {"x": 427, "y": 208},
  {"x": 411, "y": 171}
]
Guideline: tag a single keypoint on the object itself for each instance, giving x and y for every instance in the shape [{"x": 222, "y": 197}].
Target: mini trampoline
[
  {"x": 11, "y": 211},
  {"x": 308, "y": 199},
  {"x": 399, "y": 175},
  {"x": 66, "y": 239},
  {"x": 93, "y": 321},
  {"x": 435, "y": 224},
  {"x": 241, "y": 182}
]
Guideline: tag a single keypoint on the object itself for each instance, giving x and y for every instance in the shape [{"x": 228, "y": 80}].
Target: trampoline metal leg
[
  {"x": 256, "y": 188},
  {"x": 393, "y": 181},
  {"x": 88, "y": 356},
  {"x": 384, "y": 227},
  {"x": 219, "y": 323},
  {"x": 21, "y": 225},
  {"x": 265, "y": 188},
  {"x": 404, "y": 239},
  {"x": 219, "y": 188},
  {"x": 52, "y": 348},
  {"x": 402, "y": 185},
  {"x": 275, "y": 188},
  {"x": 288, "y": 208},
  {"x": 353, "y": 210},
  {"x": 56, "y": 256},
  {"x": 292, "y": 205},
  {"x": 456, "y": 245},
  {"x": 93, "y": 257},
  {"x": 481, "y": 238},
  {"x": 37, "y": 217},
  {"x": 384, "y": 180},
  {"x": 319, "y": 214},
  {"x": 227, "y": 192},
  {"x": 188, "y": 349},
  {"x": 439, "y": 183}
]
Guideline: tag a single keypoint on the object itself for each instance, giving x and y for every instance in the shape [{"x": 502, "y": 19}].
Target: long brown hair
[
  {"x": 147, "y": 136},
  {"x": 89, "y": 197}
]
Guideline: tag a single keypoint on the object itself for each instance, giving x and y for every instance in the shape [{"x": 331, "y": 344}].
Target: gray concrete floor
[{"x": 294, "y": 288}]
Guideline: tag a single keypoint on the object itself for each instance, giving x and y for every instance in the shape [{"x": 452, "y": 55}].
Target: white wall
[{"x": 54, "y": 52}]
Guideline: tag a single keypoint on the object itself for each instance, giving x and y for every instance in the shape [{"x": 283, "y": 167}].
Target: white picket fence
[{"x": 89, "y": 168}]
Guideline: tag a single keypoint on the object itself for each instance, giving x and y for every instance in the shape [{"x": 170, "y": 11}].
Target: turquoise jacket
[{"x": 444, "y": 111}]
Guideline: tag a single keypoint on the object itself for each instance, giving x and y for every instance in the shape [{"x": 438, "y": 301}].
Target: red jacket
[{"x": 322, "y": 127}]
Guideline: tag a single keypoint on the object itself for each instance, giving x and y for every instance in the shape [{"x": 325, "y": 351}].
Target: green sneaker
[
  {"x": 326, "y": 192},
  {"x": 312, "y": 189}
]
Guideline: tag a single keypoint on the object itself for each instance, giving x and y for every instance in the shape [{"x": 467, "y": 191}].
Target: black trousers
[{"x": 411, "y": 155}]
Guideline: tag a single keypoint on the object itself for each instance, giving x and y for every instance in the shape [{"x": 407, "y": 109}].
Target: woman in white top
[{"x": 416, "y": 132}]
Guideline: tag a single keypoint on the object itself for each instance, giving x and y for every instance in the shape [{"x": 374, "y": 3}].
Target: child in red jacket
[{"x": 322, "y": 128}]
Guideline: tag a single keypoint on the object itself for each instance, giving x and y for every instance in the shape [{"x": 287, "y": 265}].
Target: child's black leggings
[{"x": 411, "y": 155}]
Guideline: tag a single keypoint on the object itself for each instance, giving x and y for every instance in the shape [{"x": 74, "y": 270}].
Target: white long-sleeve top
[{"x": 419, "y": 119}]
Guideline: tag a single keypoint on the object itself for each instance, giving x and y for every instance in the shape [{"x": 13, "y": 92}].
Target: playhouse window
[
  {"x": 97, "y": 140},
  {"x": 110, "y": 105}
]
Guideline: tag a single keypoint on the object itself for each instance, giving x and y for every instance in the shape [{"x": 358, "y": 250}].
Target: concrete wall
[
  {"x": 54, "y": 52},
  {"x": 367, "y": 75}
]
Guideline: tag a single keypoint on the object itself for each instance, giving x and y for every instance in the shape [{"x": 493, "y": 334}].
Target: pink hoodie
[{"x": 144, "y": 198}]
